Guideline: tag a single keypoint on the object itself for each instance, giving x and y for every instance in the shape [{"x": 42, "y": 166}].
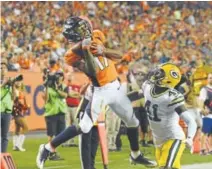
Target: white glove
[
  {"x": 86, "y": 43},
  {"x": 100, "y": 49},
  {"x": 189, "y": 143}
]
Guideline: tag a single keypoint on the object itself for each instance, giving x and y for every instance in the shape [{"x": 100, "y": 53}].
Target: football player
[
  {"x": 164, "y": 106},
  {"x": 187, "y": 90},
  {"x": 98, "y": 65}
]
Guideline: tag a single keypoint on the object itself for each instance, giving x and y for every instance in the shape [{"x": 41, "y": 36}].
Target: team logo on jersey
[{"x": 174, "y": 74}]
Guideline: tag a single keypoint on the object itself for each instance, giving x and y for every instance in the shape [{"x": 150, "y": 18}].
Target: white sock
[
  {"x": 49, "y": 147},
  {"x": 135, "y": 154}
]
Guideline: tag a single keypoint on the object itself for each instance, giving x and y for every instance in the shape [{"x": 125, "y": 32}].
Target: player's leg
[
  {"x": 205, "y": 131},
  {"x": 74, "y": 122},
  {"x": 121, "y": 105},
  {"x": 196, "y": 113},
  {"x": 117, "y": 127},
  {"x": 15, "y": 137},
  {"x": 68, "y": 122},
  {"x": 23, "y": 125},
  {"x": 85, "y": 149},
  {"x": 118, "y": 138},
  {"x": 110, "y": 127},
  {"x": 170, "y": 154},
  {"x": 86, "y": 123},
  {"x": 94, "y": 145}
]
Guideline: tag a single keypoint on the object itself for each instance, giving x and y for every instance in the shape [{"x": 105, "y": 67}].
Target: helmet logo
[{"x": 174, "y": 74}]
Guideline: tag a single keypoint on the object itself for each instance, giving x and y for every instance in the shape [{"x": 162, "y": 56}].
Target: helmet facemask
[
  {"x": 76, "y": 29},
  {"x": 168, "y": 75}
]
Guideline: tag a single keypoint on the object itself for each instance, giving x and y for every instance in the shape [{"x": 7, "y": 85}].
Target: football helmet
[
  {"x": 166, "y": 75},
  {"x": 77, "y": 28}
]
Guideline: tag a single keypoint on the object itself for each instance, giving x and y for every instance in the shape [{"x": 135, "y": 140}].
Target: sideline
[{"x": 198, "y": 166}]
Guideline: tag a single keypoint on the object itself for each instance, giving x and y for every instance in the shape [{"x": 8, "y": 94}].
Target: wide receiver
[
  {"x": 100, "y": 68},
  {"x": 164, "y": 106}
]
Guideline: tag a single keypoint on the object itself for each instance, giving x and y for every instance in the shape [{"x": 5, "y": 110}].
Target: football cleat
[
  {"x": 42, "y": 156},
  {"x": 55, "y": 157},
  {"x": 142, "y": 160}
]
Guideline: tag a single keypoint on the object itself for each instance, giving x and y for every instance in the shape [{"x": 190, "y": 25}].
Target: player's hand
[
  {"x": 189, "y": 143},
  {"x": 97, "y": 49},
  {"x": 86, "y": 43}
]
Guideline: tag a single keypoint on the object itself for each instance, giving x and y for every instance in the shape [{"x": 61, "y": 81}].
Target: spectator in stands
[
  {"x": 171, "y": 27},
  {"x": 12, "y": 65}
]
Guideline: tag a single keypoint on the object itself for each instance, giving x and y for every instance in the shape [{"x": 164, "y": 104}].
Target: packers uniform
[{"x": 168, "y": 136}]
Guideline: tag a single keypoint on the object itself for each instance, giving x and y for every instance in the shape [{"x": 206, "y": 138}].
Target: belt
[{"x": 97, "y": 85}]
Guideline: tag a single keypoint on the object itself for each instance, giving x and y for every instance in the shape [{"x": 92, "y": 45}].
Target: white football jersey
[{"x": 164, "y": 121}]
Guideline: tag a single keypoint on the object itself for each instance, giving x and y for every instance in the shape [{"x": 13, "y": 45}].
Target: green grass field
[{"x": 117, "y": 160}]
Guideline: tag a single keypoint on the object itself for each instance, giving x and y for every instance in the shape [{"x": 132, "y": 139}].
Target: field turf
[{"x": 117, "y": 160}]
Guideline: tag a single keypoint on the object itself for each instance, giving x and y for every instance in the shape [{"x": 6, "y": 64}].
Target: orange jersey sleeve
[{"x": 71, "y": 57}]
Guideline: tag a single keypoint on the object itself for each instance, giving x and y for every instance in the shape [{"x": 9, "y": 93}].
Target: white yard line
[
  {"x": 198, "y": 166},
  {"x": 59, "y": 166}
]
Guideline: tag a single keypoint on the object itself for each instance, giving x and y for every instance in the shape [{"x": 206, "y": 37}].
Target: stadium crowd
[
  {"x": 145, "y": 32},
  {"x": 153, "y": 31}
]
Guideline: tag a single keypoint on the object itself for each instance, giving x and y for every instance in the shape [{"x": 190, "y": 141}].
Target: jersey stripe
[
  {"x": 176, "y": 102},
  {"x": 181, "y": 97},
  {"x": 172, "y": 153}
]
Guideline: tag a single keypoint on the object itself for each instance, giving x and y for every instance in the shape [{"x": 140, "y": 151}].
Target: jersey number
[
  {"x": 101, "y": 64},
  {"x": 152, "y": 115}
]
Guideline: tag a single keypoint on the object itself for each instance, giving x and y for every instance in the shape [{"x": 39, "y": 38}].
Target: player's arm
[
  {"x": 113, "y": 54},
  {"x": 135, "y": 95},
  {"x": 90, "y": 65},
  {"x": 177, "y": 103},
  {"x": 73, "y": 57},
  {"x": 189, "y": 120}
]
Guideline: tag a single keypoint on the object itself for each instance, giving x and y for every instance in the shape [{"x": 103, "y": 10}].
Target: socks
[
  {"x": 132, "y": 134},
  {"x": 135, "y": 154},
  {"x": 64, "y": 136},
  {"x": 49, "y": 147}
]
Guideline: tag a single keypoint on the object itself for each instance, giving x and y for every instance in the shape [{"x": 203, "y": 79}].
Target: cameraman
[
  {"x": 7, "y": 99},
  {"x": 55, "y": 105}
]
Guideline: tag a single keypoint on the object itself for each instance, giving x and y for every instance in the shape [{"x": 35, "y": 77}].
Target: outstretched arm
[
  {"x": 113, "y": 54},
  {"x": 192, "y": 126}
]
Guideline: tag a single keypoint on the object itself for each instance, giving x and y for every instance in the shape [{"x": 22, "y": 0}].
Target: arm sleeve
[
  {"x": 192, "y": 126},
  {"x": 70, "y": 57}
]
